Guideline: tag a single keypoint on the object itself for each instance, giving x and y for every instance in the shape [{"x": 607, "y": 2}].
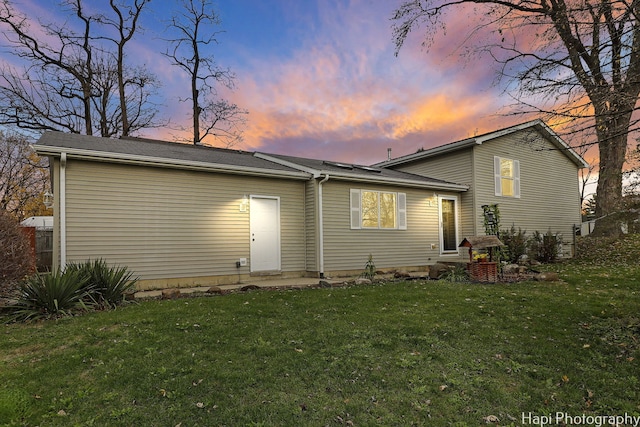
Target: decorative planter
[{"x": 486, "y": 272}]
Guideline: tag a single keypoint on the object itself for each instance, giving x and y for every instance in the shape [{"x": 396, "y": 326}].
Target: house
[
  {"x": 38, "y": 222},
  {"x": 39, "y": 230},
  {"x": 526, "y": 170},
  {"x": 184, "y": 215},
  {"x": 181, "y": 215}
]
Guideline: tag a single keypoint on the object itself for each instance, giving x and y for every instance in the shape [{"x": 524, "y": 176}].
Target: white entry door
[{"x": 265, "y": 233}]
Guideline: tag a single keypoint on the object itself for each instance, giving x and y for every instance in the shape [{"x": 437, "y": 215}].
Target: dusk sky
[{"x": 320, "y": 79}]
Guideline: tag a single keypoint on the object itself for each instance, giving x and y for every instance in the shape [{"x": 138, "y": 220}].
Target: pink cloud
[
  {"x": 344, "y": 91},
  {"x": 341, "y": 93}
]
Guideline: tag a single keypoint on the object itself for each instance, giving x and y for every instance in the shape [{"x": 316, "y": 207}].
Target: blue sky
[{"x": 320, "y": 79}]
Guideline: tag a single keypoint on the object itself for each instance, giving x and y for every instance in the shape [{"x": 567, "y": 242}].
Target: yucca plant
[
  {"x": 105, "y": 285},
  {"x": 48, "y": 295},
  {"x": 455, "y": 274}
]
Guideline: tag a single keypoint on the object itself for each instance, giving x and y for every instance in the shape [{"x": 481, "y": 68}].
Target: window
[
  {"x": 378, "y": 209},
  {"x": 507, "y": 177},
  {"x": 449, "y": 224}
]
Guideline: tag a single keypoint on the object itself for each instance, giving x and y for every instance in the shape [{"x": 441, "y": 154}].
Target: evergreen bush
[
  {"x": 515, "y": 244},
  {"x": 543, "y": 247}
]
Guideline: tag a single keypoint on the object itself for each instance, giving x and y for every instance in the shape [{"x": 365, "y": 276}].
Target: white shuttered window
[{"x": 378, "y": 210}]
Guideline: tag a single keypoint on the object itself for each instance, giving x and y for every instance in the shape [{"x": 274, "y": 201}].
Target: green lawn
[{"x": 395, "y": 354}]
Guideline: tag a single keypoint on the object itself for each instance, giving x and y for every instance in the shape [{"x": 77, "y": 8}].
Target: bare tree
[
  {"x": 579, "y": 60},
  {"x": 196, "y": 31},
  {"x": 108, "y": 109},
  {"x": 125, "y": 23},
  {"x": 24, "y": 177},
  {"x": 68, "y": 70},
  {"x": 63, "y": 71}
]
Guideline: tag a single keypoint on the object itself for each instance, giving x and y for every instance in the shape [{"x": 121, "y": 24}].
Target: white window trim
[
  {"x": 451, "y": 252},
  {"x": 498, "y": 177},
  {"x": 356, "y": 210}
]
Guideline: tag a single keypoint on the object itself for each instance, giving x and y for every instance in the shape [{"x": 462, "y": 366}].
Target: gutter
[
  {"x": 369, "y": 179},
  {"x": 62, "y": 208},
  {"x": 444, "y": 186},
  {"x": 135, "y": 159},
  {"x": 321, "y": 227}
]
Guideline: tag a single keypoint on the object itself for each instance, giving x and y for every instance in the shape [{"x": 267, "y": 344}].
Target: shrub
[
  {"x": 369, "y": 268},
  {"x": 82, "y": 286},
  {"x": 455, "y": 274},
  {"x": 515, "y": 244},
  {"x": 49, "y": 295},
  {"x": 105, "y": 285},
  {"x": 18, "y": 260},
  {"x": 543, "y": 247}
]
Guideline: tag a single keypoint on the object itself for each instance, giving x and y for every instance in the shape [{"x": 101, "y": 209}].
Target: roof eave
[
  {"x": 282, "y": 162},
  {"x": 345, "y": 176},
  {"x": 557, "y": 141},
  {"x": 443, "y": 186},
  {"x": 454, "y": 146},
  {"x": 167, "y": 163}
]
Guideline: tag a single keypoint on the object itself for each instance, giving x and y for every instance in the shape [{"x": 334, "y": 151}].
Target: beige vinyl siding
[
  {"x": 455, "y": 167},
  {"x": 348, "y": 250},
  {"x": 166, "y": 223},
  {"x": 549, "y": 189}
]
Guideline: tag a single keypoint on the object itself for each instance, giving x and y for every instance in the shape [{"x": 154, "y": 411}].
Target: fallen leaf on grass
[{"x": 490, "y": 419}]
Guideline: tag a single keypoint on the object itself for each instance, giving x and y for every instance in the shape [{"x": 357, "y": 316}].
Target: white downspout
[
  {"x": 320, "y": 226},
  {"x": 63, "y": 211}
]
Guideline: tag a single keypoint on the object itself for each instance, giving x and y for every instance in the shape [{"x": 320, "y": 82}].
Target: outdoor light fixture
[
  {"x": 244, "y": 204},
  {"x": 47, "y": 199},
  {"x": 491, "y": 218}
]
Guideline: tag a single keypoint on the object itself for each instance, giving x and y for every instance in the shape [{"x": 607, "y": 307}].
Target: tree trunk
[
  {"x": 612, "y": 148},
  {"x": 121, "y": 92}
]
